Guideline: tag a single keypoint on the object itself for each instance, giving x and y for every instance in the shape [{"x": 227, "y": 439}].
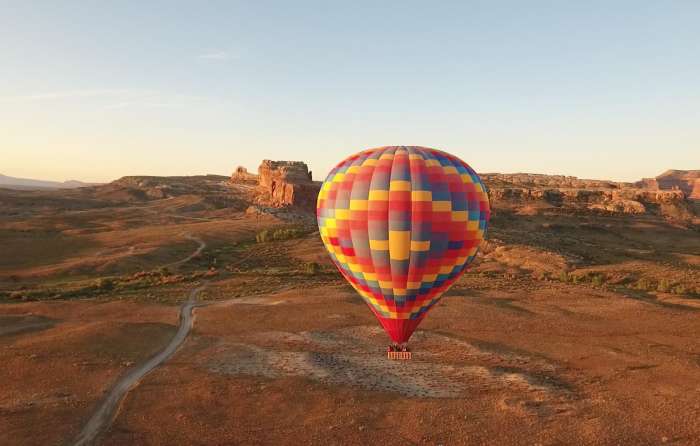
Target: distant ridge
[
  {"x": 29, "y": 184},
  {"x": 686, "y": 180},
  {"x": 680, "y": 172}
]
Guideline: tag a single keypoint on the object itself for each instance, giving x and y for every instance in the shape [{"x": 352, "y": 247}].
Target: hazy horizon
[
  {"x": 316, "y": 176},
  {"x": 595, "y": 90}
]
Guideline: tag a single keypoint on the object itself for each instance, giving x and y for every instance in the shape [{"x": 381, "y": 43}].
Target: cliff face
[
  {"x": 663, "y": 195},
  {"x": 686, "y": 180},
  {"x": 287, "y": 171},
  {"x": 281, "y": 184}
]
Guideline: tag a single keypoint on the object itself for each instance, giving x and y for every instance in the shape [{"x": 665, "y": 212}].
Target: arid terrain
[{"x": 577, "y": 324}]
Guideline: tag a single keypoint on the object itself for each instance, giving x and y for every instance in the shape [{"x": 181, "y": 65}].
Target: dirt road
[
  {"x": 108, "y": 408},
  {"x": 197, "y": 251}
]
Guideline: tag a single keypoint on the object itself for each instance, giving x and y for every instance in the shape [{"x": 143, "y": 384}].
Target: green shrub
[
  {"x": 17, "y": 295},
  {"x": 104, "y": 283},
  {"x": 311, "y": 268},
  {"x": 644, "y": 284},
  {"x": 163, "y": 271},
  {"x": 563, "y": 276},
  {"x": 679, "y": 289},
  {"x": 597, "y": 279},
  {"x": 664, "y": 286},
  {"x": 262, "y": 236}
]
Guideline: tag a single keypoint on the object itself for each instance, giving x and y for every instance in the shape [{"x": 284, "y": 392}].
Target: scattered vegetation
[
  {"x": 644, "y": 284},
  {"x": 279, "y": 234},
  {"x": 679, "y": 289},
  {"x": 108, "y": 285}
]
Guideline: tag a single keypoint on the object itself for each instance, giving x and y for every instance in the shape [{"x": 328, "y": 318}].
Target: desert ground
[{"x": 571, "y": 327}]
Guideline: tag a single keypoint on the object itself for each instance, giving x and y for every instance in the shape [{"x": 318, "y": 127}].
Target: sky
[{"x": 97, "y": 90}]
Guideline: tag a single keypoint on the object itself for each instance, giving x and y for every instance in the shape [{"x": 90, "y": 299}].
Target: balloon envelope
[{"x": 401, "y": 224}]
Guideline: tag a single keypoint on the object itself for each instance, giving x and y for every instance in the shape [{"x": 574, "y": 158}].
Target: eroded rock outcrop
[
  {"x": 289, "y": 184},
  {"x": 667, "y": 194},
  {"x": 281, "y": 184},
  {"x": 686, "y": 180},
  {"x": 241, "y": 175}
]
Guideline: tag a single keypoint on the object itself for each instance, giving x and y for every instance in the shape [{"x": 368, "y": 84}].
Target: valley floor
[
  {"x": 556, "y": 364},
  {"x": 570, "y": 328}
]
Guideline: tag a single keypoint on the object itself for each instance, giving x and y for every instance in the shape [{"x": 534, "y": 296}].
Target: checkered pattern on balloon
[{"x": 402, "y": 224}]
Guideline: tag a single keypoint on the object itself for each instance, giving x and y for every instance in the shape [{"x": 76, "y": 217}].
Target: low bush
[
  {"x": 597, "y": 279},
  {"x": 104, "y": 283},
  {"x": 311, "y": 268},
  {"x": 164, "y": 271},
  {"x": 17, "y": 295},
  {"x": 664, "y": 286},
  {"x": 679, "y": 289}
]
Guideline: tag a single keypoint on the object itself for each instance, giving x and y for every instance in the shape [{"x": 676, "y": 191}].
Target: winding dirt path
[
  {"x": 106, "y": 411},
  {"x": 197, "y": 251}
]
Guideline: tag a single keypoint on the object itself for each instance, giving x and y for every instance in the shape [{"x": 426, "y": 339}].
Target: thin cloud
[
  {"x": 215, "y": 55},
  {"x": 115, "y": 98},
  {"x": 87, "y": 93},
  {"x": 134, "y": 104}
]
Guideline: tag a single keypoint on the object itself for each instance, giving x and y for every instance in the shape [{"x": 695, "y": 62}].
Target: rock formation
[
  {"x": 241, "y": 175},
  {"x": 686, "y": 180},
  {"x": 288, "y": 184},
  {"x": 667, "y": 194},
  {"x": 282, "y": 184}
]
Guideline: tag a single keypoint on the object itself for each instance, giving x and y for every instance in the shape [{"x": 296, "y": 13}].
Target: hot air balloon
[{"x": 401, "y": 224}]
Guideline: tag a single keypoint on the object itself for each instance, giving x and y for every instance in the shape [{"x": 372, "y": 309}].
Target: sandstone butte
[{"x": 282, "y": 183}]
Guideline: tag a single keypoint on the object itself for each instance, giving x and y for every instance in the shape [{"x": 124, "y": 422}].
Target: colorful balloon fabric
[{"x": 401, "y": 224}]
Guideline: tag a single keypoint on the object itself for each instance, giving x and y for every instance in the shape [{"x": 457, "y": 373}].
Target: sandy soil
[
  {"x": 308, "y": 367},
  {"x": 58, "y": 358}
]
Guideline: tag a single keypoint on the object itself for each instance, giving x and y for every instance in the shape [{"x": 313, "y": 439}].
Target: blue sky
[{"x": 599, "y": 89}]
